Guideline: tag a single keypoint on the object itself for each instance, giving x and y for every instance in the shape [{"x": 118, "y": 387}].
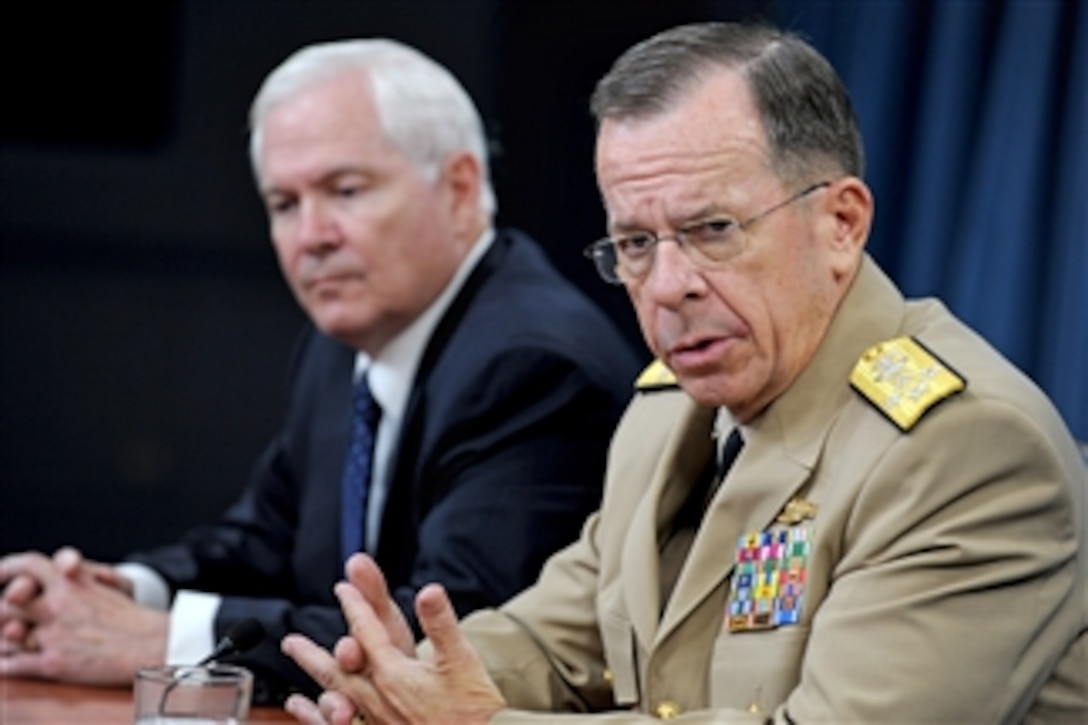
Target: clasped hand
[
  {"x": 374, "y": 672},
  {"x": 67, "y": 618}
]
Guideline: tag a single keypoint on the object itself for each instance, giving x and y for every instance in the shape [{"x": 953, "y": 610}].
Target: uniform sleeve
[{"x": 543, "y": 648}]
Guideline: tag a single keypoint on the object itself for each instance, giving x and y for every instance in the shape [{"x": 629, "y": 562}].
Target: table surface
[{"x": 26, "y": 702}]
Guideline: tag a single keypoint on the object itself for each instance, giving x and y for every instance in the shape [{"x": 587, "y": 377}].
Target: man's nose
[
  {"x": 317, "y": 229},
  {"x": 673, "y": 276}
]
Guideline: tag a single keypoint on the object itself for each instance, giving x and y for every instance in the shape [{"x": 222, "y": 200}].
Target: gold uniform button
[
  {"x": 667, "y": 710},
  {"x": 607, "y": 676}
]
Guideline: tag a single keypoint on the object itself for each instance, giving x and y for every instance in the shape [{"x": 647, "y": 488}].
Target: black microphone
[{"x": 243, "y": 636}]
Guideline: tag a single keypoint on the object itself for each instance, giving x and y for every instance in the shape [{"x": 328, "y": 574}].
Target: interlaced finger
[{"x": 364, "y": 574}]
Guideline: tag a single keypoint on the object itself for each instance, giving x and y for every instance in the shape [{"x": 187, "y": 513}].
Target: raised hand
[{"x": 376, "y": 667}]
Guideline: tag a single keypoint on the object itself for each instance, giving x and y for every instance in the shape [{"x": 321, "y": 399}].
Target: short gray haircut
[
  {"x": 803, "y": 104},
  {"x": 423, "y": 109}
]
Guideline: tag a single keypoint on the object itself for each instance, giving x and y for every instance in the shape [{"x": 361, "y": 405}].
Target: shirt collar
[{"x": 724, "y": 423}]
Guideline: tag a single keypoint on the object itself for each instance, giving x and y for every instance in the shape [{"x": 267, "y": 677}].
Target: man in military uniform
[{"x": 901, "y": 536}]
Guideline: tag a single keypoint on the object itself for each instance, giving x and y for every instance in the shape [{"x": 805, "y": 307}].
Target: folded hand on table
[{"x": 66, "y": 618}]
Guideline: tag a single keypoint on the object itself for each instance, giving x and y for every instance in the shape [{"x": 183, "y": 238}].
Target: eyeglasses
[{"x": 707, "y": 243}]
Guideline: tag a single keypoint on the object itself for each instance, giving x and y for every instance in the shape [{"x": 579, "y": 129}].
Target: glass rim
[{"x": 221, "y": 672}]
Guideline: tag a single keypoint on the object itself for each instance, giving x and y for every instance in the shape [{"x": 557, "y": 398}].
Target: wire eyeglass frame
[{"x": 707, "y": 243}]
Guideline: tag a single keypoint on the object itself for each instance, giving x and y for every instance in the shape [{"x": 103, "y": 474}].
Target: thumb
[{"x": 69, "y": 561}]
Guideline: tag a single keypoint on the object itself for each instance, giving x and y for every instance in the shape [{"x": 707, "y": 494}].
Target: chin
[
  {"x": 341, "y": 327},
  {"x": 719, "y": 389},
  {"x": 702, "y": 391}
]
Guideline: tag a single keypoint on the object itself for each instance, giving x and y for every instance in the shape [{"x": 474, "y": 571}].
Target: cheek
[
  {"x": 797, "y": 302},
  {"x": 285, "y": 256},
  {"x": 645, "y": 312},
  {"x": 408, "y": 272},
  {"x": 739, "y": 300},
  {"x": 806, "y": 273}
]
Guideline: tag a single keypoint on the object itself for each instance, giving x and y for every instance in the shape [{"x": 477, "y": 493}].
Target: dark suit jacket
[{"x": 499, "y": 461}]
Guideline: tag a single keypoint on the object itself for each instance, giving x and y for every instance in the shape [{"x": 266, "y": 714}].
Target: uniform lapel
[
  {"x": 759, "y": 484},
  {"x": 683, "y": 459}
]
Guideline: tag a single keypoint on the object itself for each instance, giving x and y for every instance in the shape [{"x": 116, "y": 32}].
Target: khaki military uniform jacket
[{"x": 943, "y": 579}]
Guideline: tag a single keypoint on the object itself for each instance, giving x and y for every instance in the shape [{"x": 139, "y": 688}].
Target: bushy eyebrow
[
  {"x": 710, "y": 210},
  {"x": 331, "y": 176}
]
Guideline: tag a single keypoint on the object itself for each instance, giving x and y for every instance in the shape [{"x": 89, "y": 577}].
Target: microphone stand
[{"x": 240, "y": 638}]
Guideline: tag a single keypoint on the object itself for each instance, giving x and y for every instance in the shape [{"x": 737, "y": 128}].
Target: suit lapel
[
  {"x": 683, "y": 459},
  {"x": 407, "y": 455}
]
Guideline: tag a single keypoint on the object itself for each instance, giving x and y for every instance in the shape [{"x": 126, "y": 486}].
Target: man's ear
[
  {"x": 849, "y": 205},
  {"x": 462, "y": 182}
]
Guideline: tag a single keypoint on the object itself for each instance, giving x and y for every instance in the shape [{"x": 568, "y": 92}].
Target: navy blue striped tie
[{"x": 364, "y": 427}]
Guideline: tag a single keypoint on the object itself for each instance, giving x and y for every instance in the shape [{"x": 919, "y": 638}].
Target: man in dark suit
[{"x": 497, "y": 385}]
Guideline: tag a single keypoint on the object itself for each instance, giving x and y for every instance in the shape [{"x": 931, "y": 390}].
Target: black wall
[{"x": 144, "y": 328}]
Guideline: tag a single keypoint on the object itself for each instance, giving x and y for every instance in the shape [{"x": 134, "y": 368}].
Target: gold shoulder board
[
  {"x": 903, "y": 380},
  {"x": 656, "y": 376}
]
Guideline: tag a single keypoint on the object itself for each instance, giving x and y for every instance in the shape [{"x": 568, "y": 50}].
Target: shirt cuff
[
  {"x": 149, "y": 589},
  {"x": 192, "y": 627}
]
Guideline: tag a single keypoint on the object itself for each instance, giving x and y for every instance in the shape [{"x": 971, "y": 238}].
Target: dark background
[{"x": 144, "y": 326}]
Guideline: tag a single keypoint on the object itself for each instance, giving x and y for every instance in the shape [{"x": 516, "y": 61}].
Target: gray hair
[
  {"x": 805, "y": 109},
  {"x": 423, "y": 109}
]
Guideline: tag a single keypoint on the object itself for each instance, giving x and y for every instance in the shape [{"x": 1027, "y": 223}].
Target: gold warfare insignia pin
[
  {"x": 796, "y": 511},
  {"x": 903, "y": 380},
  {"x": 656, "y": 376}
]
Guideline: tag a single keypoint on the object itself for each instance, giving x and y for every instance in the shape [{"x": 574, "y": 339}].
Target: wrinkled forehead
[
  {"x": 716, "y": 115},
  {"x": 711, "y": 137}
]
